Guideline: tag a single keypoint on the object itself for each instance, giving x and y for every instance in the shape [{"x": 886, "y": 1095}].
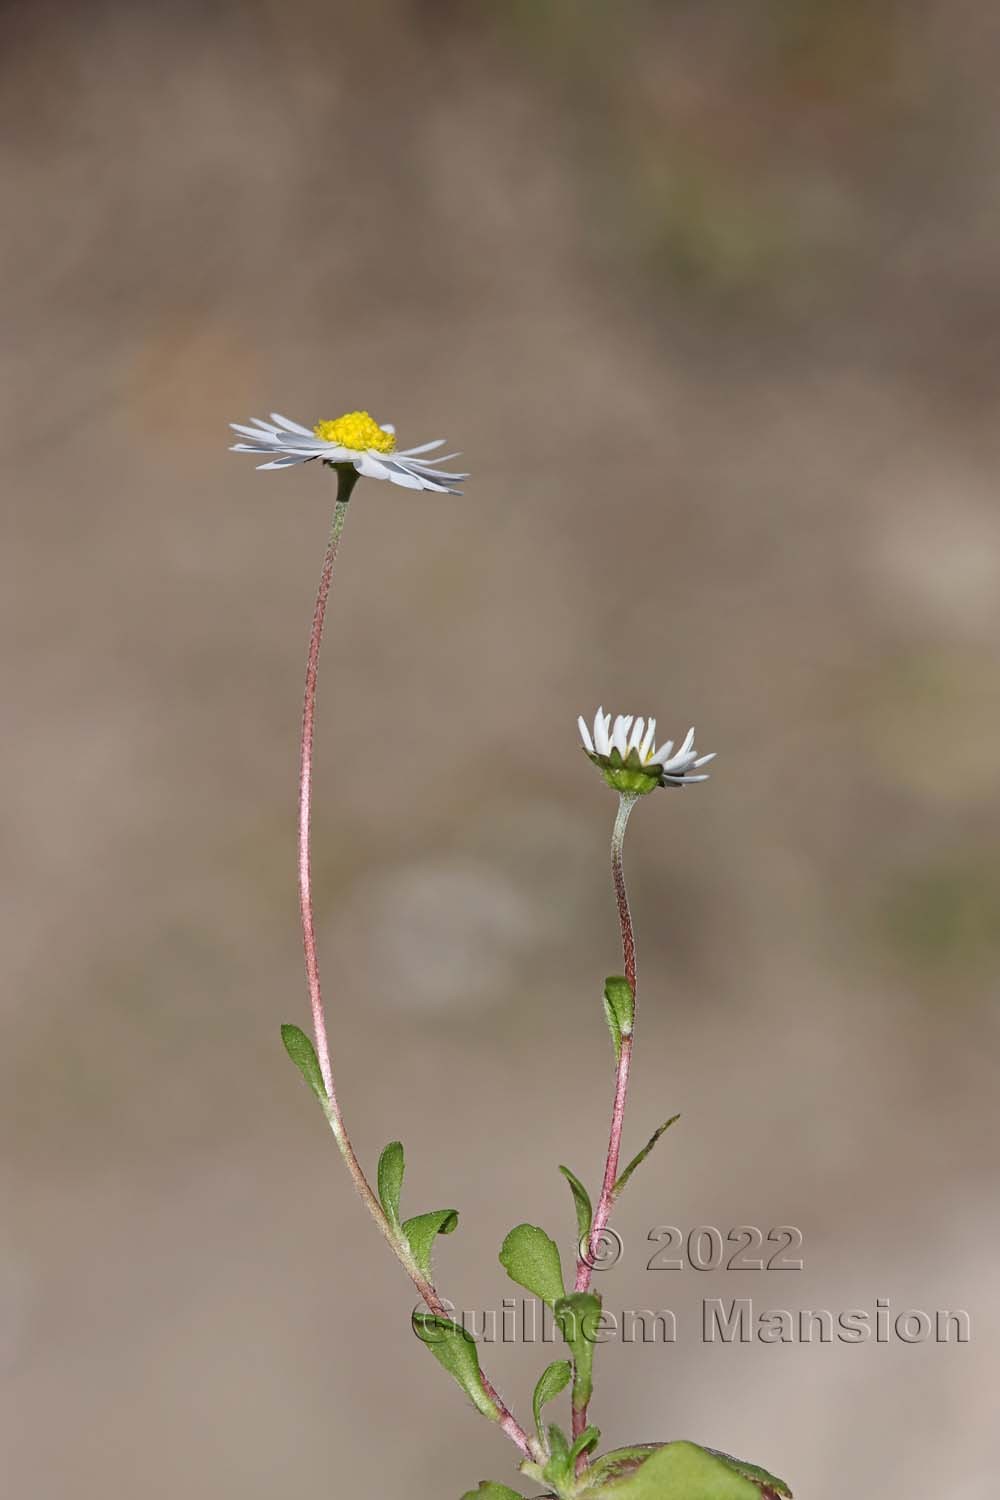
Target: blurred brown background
[{"x": 708, "y": 295}]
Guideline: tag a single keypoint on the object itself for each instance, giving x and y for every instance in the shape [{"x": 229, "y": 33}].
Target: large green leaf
[
  {"x": 532, "y": 1260},
  {"x": 455, "y": 1349},
  {"x": 552, "y": 1382},
  {"x": 753, "y": 1471},
  {"x": 391, "y": 1166},
  {"x": 582, "y": 1204},
  {"x": 640, "y": 1156},
  {"x": 619, "y": 1009},
  {"x": 617, "y": 1464},
  {"x": 422, "y": 1231},
  {"x": 303, "y": 1054},
  {"x": 577, "y": 1316},
  {"x": 679, "y": 1471}
]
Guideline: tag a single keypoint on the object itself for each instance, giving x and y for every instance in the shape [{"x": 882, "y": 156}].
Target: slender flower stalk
[
  {"x": 626, "y": 802},
  {"x": 347, "y": 478},
  {"x": 585, "y": 1263}
]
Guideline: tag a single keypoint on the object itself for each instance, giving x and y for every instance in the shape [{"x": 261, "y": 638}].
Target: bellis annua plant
[{"x": 566, "y": 1462}]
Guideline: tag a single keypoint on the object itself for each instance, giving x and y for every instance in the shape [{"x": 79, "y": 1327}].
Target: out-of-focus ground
[{"x": 708, "y": 295}]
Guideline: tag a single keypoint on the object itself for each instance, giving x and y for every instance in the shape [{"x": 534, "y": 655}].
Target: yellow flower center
[{"x": 356, "y": 429}]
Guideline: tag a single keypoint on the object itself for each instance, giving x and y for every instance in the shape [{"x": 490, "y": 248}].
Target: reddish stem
[
  {"x": 584, "y": 1268},
  {"x": 305, "y": 799},
  {"x": 347, "y": 478}
]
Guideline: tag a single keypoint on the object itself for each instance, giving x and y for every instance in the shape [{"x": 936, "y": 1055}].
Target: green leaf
[
  {"x": 584, "y": 1207},
  {"x": 619, "y": 1008},
  {"x": 455, "y": 1349},
  {"x": 489, "y": 1491},
  {"x": 638, "y": 1160},
  {"x": 532, "y": 1260},
  {"x": 552, "y": 1382},
  {"x": 557, "y": 1471},
  {"x": 577, "y": 1316},
  {"x": 617, "y": 1465},
  {"x": 558, "y": 1442},
  {"x": 753, "y": 1471},
  {"x": 303, "y": 1054},
  {"x": 678, "y": 1471},
  {"x": 391, "y": 1166},
  {"x": 422, "y": 1231},
  {"x": 589, "y": 1438}
]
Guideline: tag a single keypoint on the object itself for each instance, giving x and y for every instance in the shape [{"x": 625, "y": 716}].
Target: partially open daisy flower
[
  {"x": 355, "y": 439},
  {"x": 629, "y": 758}
]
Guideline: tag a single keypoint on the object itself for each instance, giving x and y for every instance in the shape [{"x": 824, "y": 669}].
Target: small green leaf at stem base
[
  {"x": 578, "y": 1318},
  {"x": 619, "y": 1009},
  {"x": 551, "y": 1383},
  {"x": 582, "y": 1203},
  {"x": 423, "y": 1230},
  {"x": 531, "y": 1259},
  {"x": 558, "y": 1471},
  {"x": 391, "y": 1166},
  {"x": 303, "y": 1054},
  {"x": 589, "y": 1438},
  {"x": 489, "y": 1491},
  {"x": 640, "y": 1157},
  {"x": 455, "y": 1350}
]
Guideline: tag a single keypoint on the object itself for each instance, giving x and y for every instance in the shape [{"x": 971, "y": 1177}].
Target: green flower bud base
[{"x": 628, "y": 774}]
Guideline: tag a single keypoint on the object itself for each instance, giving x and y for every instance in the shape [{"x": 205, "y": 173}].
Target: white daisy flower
[
  {"x": 631, "y": 761},
  {"x": 355, "y": 439}
]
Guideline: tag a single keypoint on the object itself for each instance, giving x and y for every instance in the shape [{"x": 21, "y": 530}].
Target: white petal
[
  {"x": 688, "y": 742},
  {"x": 703, "y": 760},
  {"x": 424, "y": 448},
  {"x": 387, "y": 427},
  {"x": 636, "y": 735},
  {"x": 415, "y": 467},
  {"x": 602, "y": 740},
  {"x": 310, "y": 444},
  {"x": 619, "y": 735},
  {"x": 259, "y": 434},
  {"x": 292, "y": 426},
  {"x": 647, "y": 743},
  {"x": 282, "y": 463},
  {"x": 588, "y": 743},
  {"x": 367, "y": 464},
  {"x": 416, "y": 478},
  {"x": 663, "y": 754},
  {"x": 407, "y": 481}
]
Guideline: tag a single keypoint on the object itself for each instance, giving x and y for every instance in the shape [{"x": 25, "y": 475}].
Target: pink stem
[
  {"x": 305, "y": 804},
  {"x": 347, "y": 479},
  {"x": 584, "y": 1269}
]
